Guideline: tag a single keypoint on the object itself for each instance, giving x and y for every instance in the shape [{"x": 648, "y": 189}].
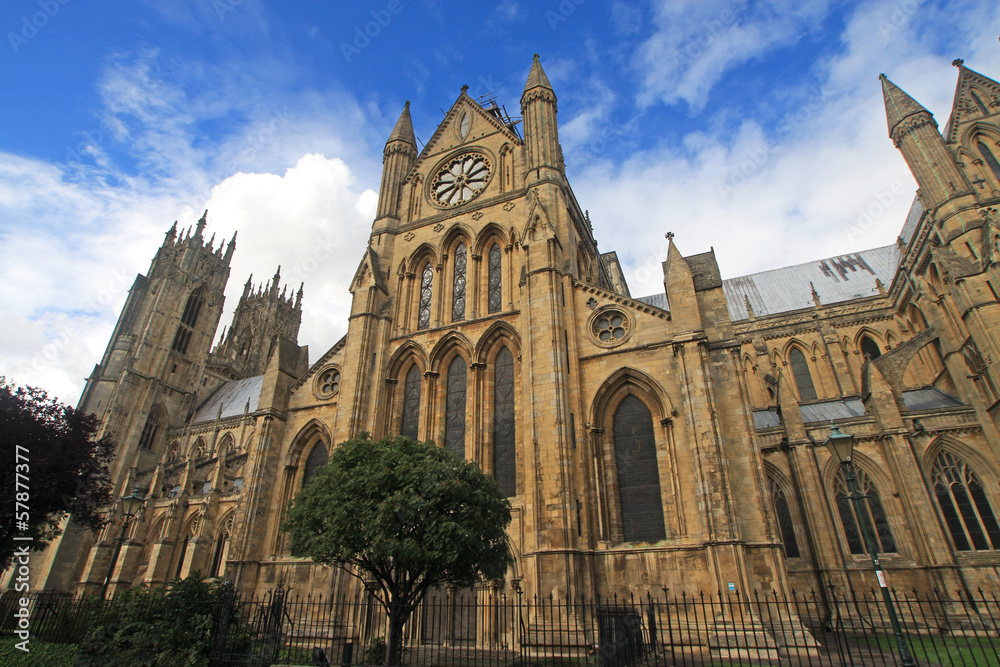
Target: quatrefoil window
[
  {"x": 610, "y": 327},
  {"x": 328, "y": 383}
]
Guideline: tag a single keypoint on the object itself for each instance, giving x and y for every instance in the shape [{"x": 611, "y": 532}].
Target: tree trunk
[{"x": 398, "y": 613}]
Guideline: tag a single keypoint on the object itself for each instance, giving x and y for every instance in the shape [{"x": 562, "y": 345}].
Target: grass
[
  {"x": 41, "y": 654},
  {"x": 944, "y": 650}
]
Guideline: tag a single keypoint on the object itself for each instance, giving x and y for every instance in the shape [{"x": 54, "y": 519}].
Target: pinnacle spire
[
  {"x": 536, "y": 77},
  {"x": 200, "y": 227},
  {"x": 898, "y": 105},
  {"x": 403, "y": 131}
]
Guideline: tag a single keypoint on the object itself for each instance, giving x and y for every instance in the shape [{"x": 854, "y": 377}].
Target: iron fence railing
[{"x": 489, "y": 628}]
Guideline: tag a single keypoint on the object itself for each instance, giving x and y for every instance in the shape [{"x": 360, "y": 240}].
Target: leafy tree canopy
[
  {"x": 405, "y": 515},
  {"x": 51, "y": 457}
]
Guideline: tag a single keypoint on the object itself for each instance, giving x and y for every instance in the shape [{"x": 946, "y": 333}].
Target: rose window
[{"x": 461, "y": 180}]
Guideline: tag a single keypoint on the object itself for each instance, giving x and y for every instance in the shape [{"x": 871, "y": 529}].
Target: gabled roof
[
  {"x": 965, "y": 107},
  {"x": 233, "y": 398}
]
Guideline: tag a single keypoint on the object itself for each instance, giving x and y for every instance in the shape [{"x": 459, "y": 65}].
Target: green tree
[
  {"x": 52, "y": 466},
  {"x": 402, "y": 516}
]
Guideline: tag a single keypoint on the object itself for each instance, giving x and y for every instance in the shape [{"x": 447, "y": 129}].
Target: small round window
[
  {"x": 328, "y": 383},
  {"x": 610, "y": 326}
]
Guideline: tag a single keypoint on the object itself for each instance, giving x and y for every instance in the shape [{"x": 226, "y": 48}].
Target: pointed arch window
[
  {"x": 638, "y": 474},
  {"x": 149, "y": 431},
  {"x": 504, "y": 452},
  {"x": 221, "y": 549},
  {"x": 411, "y": 403},
  {"x": 800, "y": 371},
  {"x": 874, "y": 514},
  {"x": 317, "y": 458},
  {"x": 454, "y": 429},
  {"x": 989, "y": 158},
  {"x": 870, "y": 348},
  {"x": 426, "y": 284},
  {"x": 963, "y": 502},
  {"x": 979, "y": 102},
  {"x": 495, "y": 280},
  {"x": 783, "y": 513},
  {"x": 189, "y": 318},
  {"x": 458, "y": 286}
]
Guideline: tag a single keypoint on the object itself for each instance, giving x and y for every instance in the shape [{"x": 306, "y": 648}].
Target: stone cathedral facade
[{"x": 667, "y": 440}]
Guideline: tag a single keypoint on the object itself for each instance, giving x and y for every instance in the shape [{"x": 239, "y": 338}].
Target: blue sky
[{"x": 755, "y": 128}]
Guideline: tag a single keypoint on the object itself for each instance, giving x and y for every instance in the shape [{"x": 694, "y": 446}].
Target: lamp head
[
  {"x": 132, "y": 504},
  {"x": 840, "y": 445}
]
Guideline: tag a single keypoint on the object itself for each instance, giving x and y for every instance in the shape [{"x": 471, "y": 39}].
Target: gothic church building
[{"x": 666, "y": 440}]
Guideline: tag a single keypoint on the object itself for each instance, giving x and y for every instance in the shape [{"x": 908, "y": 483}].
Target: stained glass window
[
  {"x": 454, "y": 429},
  {"x": 458, "y": 287},
  {"x": 504, "y": 453},
  {"x": 182, "y": 338},
  {"x": 411, "y": 403},
  {"x": 149, "y": 431},
  {"x": 800, "y": 370},
  {"x": 991, "y": 159},
  {"x": 874, "y": 515},
  {"x": 426, "y": 282},
  {"x": 870, "y": 348},
  {"x": 784, "y": 515},
  {"x": 496, "y": 280},
  {"x": 966, "y": 509},
  {"x": 638, "y": 474},
  {"x": 317, "y": 458}
]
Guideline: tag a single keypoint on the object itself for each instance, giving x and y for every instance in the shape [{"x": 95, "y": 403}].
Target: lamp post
[
  {"x": 841, "y": 447},
  {"x": 130, "y": 507}
]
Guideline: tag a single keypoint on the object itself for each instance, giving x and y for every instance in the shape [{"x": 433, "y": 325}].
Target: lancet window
[
  {"x": 317, "y": 458},
  {"x": 411, "y": 403},
  {"x": 458, "y": 285},
  {"x": 874, "y": 514},
  {"x": 454, "y": 430},
  {"x": 495, "y": 280},
  {"x": 966, "y": 509},
  {"x": 638, "y": 474},
  {"x": 989, "y": 158},
  {"x": 426, "y": 291},
  {"x": 800, "y": 371},
  {"x": 504, "y": 452},
  {"x": 783, "y": 513},
  {"x": 189, "y": 318}
]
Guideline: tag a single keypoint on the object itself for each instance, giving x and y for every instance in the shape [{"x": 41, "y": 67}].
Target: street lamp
[
  {"x": 841, "y": 448},
  {"x": 130, "y": 507}
]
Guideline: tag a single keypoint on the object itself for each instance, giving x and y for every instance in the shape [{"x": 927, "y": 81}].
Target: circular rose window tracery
[
  {"x": 610, "y": 327},
  {"x": 460, "y": 180},
  {"x": 328, "y": 383}
]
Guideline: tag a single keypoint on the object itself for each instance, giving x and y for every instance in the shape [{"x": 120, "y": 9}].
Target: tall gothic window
[
  {"x": 458, "y": 287},
  {"x": 188, "y": 319},
  {"x": 411, "y": 403},
  {"x": 426, "y": 283},
  {"x": 638, "y": 474},
  {"x": 874, "y": 514},
  {"x": 979, "y": 103},
  {"x": 990, "y": 159},
  {"x": 783, "y": 513},
  {"x": 221, "y": 547},
  {"x": 870, "y": 348},
  {"x": 963, "y": 502},
  {"x": 454, "y": 420},
  {"x": 149, "y": 431},
  {"x": 800, "y": 371},
  {"x": 317, "y": 458},
  {"x": 504, "y": 453},
  {"x": 496, "y": 280}
]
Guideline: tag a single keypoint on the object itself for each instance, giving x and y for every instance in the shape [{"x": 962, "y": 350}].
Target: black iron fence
[{"x": 488, "y": 628}]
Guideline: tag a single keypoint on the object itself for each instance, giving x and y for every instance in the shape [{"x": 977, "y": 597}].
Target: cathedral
[{"x": 670, "y": 440}]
